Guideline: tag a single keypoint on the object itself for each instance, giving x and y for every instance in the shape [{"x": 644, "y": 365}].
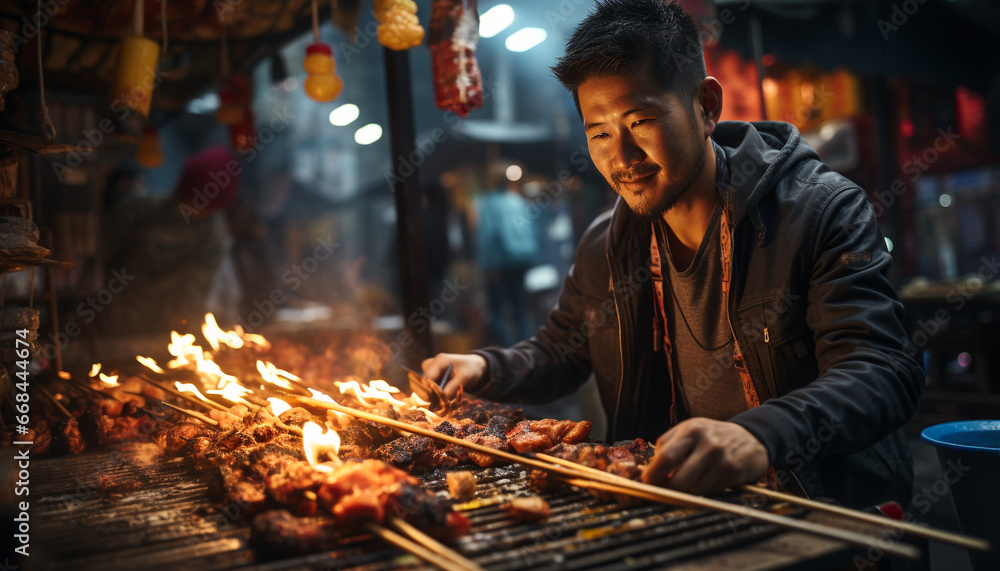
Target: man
[{"x": 773, "y": 338}]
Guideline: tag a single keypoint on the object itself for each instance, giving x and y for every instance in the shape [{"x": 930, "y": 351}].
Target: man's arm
[
  {"x": 869, "y": 383},
  {"x": 550, "y": 364}
]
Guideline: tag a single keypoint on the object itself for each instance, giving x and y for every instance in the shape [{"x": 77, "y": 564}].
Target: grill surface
[{"x": 170, "y": 522}]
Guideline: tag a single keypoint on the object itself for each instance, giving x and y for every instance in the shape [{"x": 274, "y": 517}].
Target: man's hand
[
  {"x": 465, "y": 369},
  {"x": 706, "y": 456}
]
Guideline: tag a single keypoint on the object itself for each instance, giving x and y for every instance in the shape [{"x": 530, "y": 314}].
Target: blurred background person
[
  {"x": 506, "y": 247},
  {"x": 169, "y": 252}
]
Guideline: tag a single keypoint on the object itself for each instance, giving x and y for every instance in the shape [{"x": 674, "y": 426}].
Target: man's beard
[{"x": 646, "y": 210}]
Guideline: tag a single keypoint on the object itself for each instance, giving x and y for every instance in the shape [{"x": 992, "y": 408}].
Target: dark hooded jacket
[{"x": 811, "y": 307}]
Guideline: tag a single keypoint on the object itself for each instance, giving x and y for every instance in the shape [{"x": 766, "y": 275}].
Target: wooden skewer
[
  {"x": 920, "y": 531},
  {"x": 594, "y": 485},
  {"x": 430, "y": 543},
  {"x": 413, "y": 547},
  {"x": 673, "y": 496},
  {"x": 192, "y": 413},
  {"x": 164, "y": 388},
  {"x": 58, "y": 404},
  {"x": 662, "y": 494},
  {"x": 917, "y": 530},
  {"x": 84, "y": 386}
]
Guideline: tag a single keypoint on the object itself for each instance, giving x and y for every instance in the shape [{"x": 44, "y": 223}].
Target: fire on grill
[{"x": 307, "y": 474}]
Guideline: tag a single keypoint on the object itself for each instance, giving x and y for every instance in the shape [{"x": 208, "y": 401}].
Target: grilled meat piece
[
  {"x": 528, "y": 441},
  {"x": 360, "y": 491},
  {"x": 289, "y": 486},
  {"x": 361, "y": 438},
  {"x": 625, "y": 459},
  {"x": 431, "y": 513},
  {"x": 243, "y": 487},
  {"x": 489, "y": 440},
  {"x": 40, "y": 435},
  {"x": 409, "y": 452},
  {"x": 125, "y": 428},
  {"x": 459, "y": 428},
  {"x": 539, "y": 435},
  {"x": 527, "y": 509},
  {"x": 172, "y": 438},
  {"x": 298, "y": 416},
  {"x": 279, "y": 533},
  {"x": 461, "y": 485},
  {"x": 66, "y": 437},
  {"x": 480, "y": 411}
]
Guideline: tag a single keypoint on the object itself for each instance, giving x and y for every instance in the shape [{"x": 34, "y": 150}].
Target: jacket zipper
[
  {"x": 799, "y": 483},
  {"x": 621, "y": 352}
]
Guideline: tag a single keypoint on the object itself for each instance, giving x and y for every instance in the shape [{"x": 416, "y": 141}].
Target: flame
[
  {"x": 189, "y": 388},
  {"x": 148, "y": 362},
  {"x": 273, "y": 375},
  {"x": 233, "y": 392},
  {"x": 96, "y": 368},
  {"x": 111, "y": 381},
  {"x": 64, "y": 375},
  {"x": 184, "y": 350},
  {"x": 278, "y": 406},
  {"x": 316, "y": 442},
  {"x": 374, "y": 390},
  {"x": 341, "y": 416},
  {"x": 214, "y": 334}
]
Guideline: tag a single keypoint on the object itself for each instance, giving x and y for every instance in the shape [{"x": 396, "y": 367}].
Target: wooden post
[{"x": 416, "y": 345}]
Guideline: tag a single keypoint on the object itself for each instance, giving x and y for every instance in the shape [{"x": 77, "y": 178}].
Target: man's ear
[{"x": 709, "y": 100}]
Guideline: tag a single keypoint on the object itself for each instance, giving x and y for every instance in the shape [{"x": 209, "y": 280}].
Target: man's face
[{"x": 643, "y": 139}]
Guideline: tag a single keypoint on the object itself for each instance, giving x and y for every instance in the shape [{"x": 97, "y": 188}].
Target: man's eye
[
  {"x": 639, "y": 122},
  {"x": 599, "y": 136}
]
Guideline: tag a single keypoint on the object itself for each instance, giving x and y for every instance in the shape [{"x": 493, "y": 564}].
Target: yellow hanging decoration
[
  {"x": 399, "y": 28},
  {"x": 321, "y": 83}
]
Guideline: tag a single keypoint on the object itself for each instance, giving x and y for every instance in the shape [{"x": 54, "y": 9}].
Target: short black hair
[{"x": 620, "y": 36}]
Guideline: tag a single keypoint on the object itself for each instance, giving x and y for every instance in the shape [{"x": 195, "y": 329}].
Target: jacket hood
[{"x": 759, "y": 154}]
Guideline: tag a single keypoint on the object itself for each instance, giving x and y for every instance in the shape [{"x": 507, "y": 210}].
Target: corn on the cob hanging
[{"x": 399, "y": 28}]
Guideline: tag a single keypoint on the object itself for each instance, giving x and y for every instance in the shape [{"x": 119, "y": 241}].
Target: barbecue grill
[{"x": 168, "y": 520}]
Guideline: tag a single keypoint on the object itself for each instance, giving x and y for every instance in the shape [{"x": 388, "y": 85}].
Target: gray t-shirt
[{"x": 707, "y": 382}]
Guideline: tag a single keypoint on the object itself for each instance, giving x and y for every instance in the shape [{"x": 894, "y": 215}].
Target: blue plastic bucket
[{"x": 969, "y": 454}]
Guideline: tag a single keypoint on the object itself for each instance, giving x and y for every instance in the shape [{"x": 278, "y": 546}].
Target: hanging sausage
[{"x": 458, "y": 84}]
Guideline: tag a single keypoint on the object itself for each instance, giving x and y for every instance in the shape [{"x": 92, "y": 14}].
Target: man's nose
[{"x": 627, "y": 153}]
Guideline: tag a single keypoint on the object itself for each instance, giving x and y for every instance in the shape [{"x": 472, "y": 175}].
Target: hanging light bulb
[
  {"x": 149, "y": 154},
  {"x": 321, "y": 84}
]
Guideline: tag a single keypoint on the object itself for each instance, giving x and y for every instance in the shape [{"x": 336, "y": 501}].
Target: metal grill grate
[{"x": 170, "y": 522}]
